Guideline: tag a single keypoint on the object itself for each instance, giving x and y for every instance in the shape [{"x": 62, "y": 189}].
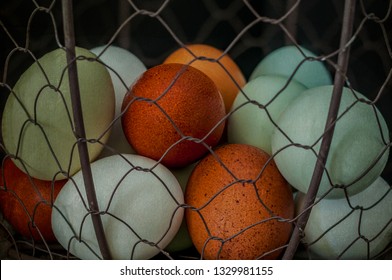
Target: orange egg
[
  {"x": 239, "y": 205},
  {"x": 169, "y": 110},
  {"x": 26, "y": 202},
  {"x": 222, "y": 70}
]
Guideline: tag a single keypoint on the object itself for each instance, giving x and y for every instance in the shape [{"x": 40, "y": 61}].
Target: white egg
[
  {"x": 250, "y": 124},
  {"x": 358, "y": 142},
  {"x": 285, "y": 61},
  {"x": 337, "y": 230},
  {"x": 141, "y": 208},
  {"x": 124, "y": 68}
]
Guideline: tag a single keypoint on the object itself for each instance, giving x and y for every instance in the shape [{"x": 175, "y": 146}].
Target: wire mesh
[{"x": 247, "y": 31}]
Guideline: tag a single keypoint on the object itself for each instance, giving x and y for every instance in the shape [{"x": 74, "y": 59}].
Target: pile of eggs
[{"x": 188, "y": 153}]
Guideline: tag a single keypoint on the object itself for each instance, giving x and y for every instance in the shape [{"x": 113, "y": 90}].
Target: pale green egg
[
  {"x": 124, "y": 68},
  {"x": 141, "y": 200},
  {"x": 38, "y": 124},
  {"x": 253, "y": 125},
  {"x": 358, "y": 144},
  {"x": 334, "y": 230},
  {"x": 287, "y": 60}
]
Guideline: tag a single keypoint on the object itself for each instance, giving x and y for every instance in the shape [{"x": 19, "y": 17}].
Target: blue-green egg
[
  {"x": 251, "y": 123},
  {"x": 358, "y": 152},
  {"x": 335, "y": 230},
  {"x": 289, "y": 59}
]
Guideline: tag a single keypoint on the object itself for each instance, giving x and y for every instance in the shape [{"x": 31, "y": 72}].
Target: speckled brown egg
[
  {"x": 240, "y": 205},
  {"x": 172, "y": 113},
  {"x": 26, "y": 203}
]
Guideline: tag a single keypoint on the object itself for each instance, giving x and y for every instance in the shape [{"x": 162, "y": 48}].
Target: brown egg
[
  {"x": 168, "y": 110},
  {"x": 239, "y": 205},
  {"x": 222, "y": 72},
  {"x": 26, "y": 202}
]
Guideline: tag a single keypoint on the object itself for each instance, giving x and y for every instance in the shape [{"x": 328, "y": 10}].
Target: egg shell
[
  {"x": 26, "y": 203},
  {"x": 285, "y": 61},
  {"x": 140, "y": 199},
  {"x": 124, "y": 68},
  {"x": 357, "y": 142},
  {"x": 232, "y": 218},
  {"x": 250, "y": 124},
  {"x": 334, "y": 230},
  {"x": 220, "y": 67},
  {"x": 169, "y": 103},
  {"x": 37, "y": 120}
]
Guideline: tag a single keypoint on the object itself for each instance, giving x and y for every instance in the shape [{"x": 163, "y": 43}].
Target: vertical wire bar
[
  {"x": 343, "y": 58},
  {"x": 69, "y": 38}
]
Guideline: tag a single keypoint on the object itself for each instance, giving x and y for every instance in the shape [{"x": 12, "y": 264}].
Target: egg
[
  {"x": 289, "y": 59},
  {"x": 124, "y": 68},
  {"x": 357, "y": 228},
  {"x": 220, "y": 67},
  {"x": 26, "y": 203},
  {"x": 172, "y": 114},
  {"x": 251, "y": 124},
  {"x": 239, "y": 205},
  {"x": 140, "y": 202},
  {"x": 358, "y": 142},
  {"x": 38, "y": 125}
]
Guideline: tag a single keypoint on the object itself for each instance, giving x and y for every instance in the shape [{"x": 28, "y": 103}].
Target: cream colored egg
[
  {"x": 124, "y": 68},
  {"x": 337, "y": 230},
  {"x": 253, "y": 125},
  {"x": 38, "y": 125},
  {"x": 141, "y": 209}
]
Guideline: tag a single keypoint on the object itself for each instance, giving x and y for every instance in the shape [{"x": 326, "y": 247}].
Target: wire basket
[{"x": 354, "y": 42}]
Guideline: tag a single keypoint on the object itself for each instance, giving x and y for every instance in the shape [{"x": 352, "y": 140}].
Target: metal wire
[{"x": 252, "y": 30}]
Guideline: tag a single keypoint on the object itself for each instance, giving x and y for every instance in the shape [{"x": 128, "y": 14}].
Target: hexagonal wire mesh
[{"x": 247, "y": 31}]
